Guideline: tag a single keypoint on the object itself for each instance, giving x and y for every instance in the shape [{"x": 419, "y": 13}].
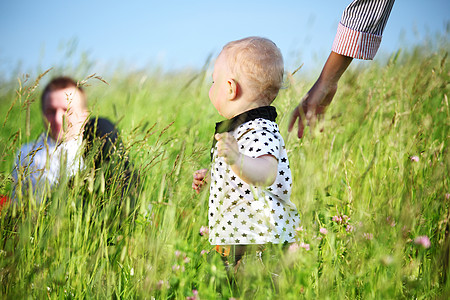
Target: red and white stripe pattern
[
  {"x": 355, "y": 44},
  {"x": 361, "y": 27}
]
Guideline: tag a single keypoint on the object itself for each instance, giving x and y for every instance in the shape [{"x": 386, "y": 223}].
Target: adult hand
[
  {"x": 314, "y": 103},
  {"x": 312, "y": 107}
]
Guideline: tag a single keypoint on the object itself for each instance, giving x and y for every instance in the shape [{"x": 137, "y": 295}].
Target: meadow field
[{"x": 372, "y": 191}]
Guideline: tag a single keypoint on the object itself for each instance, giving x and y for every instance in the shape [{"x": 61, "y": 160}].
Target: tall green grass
[{"x": 373, "y": 181}]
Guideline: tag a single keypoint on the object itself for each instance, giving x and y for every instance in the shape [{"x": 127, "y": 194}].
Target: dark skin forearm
[{"x": 315, "y": 102}]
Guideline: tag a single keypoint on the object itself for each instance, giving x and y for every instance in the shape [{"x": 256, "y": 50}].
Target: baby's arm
[
  {"x": 200, "y": 177},
  {"x": 261, "y": 170}
]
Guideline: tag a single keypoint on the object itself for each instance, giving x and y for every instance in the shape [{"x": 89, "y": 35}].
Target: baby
[{"x": 250, "y": 176}]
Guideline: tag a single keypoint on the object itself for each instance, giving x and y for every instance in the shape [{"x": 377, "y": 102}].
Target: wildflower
[
  {"x": 349, "y": 228},
  {"x": 423, "y": 241},
  {"x": 293, "y": 247},
  {"x": 323, "y": 231},
  {"x": 204, "y": 230},
  {"x": 161, "y": 284},
  {"x": 175, "y": 267},
  {"x": 305, "y": 246},
  {"x": 186, "y": 260},
  {"x": 194, "y": 297},
  {"x": 447, "y": 196},
  {"x": 299, "y": 229},
  {"x": 177, "y": 253},
  {"x": 368, "y": 236},
  {"x": 390, "y": 221},
  {"x": 337, "y": 219},
  {"x": 414, "y": 158},
  {"x": 203, "y": 252}
]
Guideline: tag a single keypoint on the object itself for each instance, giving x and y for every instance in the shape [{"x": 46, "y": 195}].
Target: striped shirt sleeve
[{"x": 361, "y": 27}]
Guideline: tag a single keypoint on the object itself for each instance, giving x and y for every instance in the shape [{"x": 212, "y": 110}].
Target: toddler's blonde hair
[{"x": 258, "y": 62}]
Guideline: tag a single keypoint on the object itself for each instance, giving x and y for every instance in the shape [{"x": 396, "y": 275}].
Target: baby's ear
[{"x": 233, "y": 87}]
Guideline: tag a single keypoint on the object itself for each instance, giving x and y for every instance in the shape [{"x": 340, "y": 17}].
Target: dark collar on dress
[{"x": 264, "y": 112}]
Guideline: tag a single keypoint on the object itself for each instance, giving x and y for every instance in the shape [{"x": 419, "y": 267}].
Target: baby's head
[
  {"x": 248, "y": 73},
  {"x": 257, "y": 65}
]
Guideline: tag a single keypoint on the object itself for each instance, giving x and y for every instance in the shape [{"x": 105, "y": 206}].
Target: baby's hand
[
  {"x": 199, "y": 179},
  {"x": 227, "y": 147}
]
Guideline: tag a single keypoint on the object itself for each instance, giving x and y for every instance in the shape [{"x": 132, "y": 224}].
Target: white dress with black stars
[{"x": 240, "y": 213}]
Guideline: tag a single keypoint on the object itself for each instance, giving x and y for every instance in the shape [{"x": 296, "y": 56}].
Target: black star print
[
  {"x": 266, "y": 144},
  {"x": 279, "y": 185},
  {"x": 247, "y": 191},
  {"x": 242, "y": 209},
  {"x": 263, "y": 133},
  {"x": 283, "y": 159},
  {"x": 229, "y": 223},
  {"x": 233, "y": 177},
  {"x": 235, "y": 216},
  {"x": 255, "y": 140},
  {"x": 281, "y": 172},
  {"x": 240, "y": 185},
  {"x": 244, "y": 235},
  {"x": 250, "y": 216},
  {"x": 250, "y": 149},
  {"x": 243, "y": 222},
  {"x": 287, "y": 179}
]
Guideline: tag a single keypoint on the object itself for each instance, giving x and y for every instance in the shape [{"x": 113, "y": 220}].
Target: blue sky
[{"x": 181, "y": 34}]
